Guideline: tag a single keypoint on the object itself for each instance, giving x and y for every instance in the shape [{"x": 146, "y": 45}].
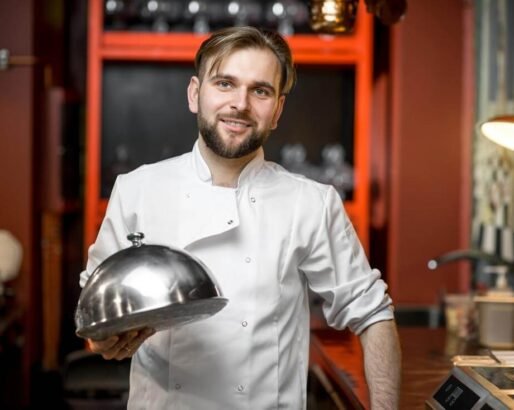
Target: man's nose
[{"x": 240, "y": 100}]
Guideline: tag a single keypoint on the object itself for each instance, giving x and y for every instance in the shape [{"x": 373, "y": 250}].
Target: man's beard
[{"x": 216, "y": 144}]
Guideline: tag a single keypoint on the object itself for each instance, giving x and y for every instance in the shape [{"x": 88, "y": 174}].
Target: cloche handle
[{"x": 136, "y": 238}]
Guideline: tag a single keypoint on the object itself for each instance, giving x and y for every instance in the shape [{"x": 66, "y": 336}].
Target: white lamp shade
[
  {"x": 10, "y": 256},
  {"x": 499, "y": 130}
]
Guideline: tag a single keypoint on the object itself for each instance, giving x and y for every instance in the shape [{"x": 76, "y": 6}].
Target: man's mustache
[{"x": 237, "y": 116}]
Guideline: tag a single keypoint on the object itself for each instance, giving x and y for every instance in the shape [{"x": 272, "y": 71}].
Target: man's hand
[{"x": 121, "y": 346}]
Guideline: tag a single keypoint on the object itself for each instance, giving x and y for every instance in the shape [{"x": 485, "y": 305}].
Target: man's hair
[{"x": 224, "y": 42}]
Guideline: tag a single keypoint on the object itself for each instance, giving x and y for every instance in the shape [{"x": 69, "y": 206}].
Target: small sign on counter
[{"x": 476, "y": 387}]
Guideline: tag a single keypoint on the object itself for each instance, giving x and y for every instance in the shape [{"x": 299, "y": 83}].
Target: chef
[{"x": 267, "y": 236}]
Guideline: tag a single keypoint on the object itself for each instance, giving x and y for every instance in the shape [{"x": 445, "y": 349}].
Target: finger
[
  {"x": 99, "y": 346},
  {"x": 124, "y": 339},
  {"x": 124, "y": 353},
  {"x": 131, "y": 347},
  {"x": 127, "y": 337},
  {"x": 140, "y": 338}
]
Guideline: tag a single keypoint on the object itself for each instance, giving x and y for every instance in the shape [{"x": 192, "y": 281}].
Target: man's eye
[
  {"x": 262, "y": 92},
  {"x": 223, "y": 84}
]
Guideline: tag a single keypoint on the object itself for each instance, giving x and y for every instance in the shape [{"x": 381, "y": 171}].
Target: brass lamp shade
[
  {"x": 333, "y": 16},
  {"x": 499, "y": 130}
]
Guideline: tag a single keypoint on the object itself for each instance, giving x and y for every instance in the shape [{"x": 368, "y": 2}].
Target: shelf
[{"x": 308, "y": 50}]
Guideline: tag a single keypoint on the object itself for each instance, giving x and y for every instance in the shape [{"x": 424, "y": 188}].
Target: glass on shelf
[
  {"x": 200, "y": 16},
  {"x": 197, "y": 12},
  {"x": 244, "y": 12},
  {"x": 285, "y": 15},
  {"x": 115, "y": 13},
  {"x": 333, "y": 169},
  {"x": 294, "y": 159},
  {"x": 160, "y": 15}
]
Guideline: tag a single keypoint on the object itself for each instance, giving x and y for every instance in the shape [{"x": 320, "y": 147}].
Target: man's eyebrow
[
  {"x": 263, "y": 84},
  {"x": 221, "y": 76}
]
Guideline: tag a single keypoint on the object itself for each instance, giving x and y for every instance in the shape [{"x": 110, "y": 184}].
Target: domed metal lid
[{"x": 146, "y": 286}]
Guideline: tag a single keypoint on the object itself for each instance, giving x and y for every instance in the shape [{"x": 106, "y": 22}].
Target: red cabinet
[{"x": 115, "y": 48}]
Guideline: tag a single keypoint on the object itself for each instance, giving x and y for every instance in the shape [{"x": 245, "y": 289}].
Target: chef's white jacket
[{"x": 265, "y": 242}]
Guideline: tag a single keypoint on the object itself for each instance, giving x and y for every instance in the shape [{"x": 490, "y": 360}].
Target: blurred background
[{"x": 386, "y": 113}]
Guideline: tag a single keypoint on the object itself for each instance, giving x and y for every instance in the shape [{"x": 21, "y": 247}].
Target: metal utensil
[{"x": 146, "y": 286}]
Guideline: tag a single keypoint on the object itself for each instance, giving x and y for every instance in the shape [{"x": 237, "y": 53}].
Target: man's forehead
[{"x": 215, "y": 65}]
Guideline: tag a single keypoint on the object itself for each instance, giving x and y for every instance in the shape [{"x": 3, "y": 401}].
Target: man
[{"x": 266, "y": 234}]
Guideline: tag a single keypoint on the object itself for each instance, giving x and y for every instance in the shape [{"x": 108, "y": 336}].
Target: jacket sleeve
[
  {"x": 112, "y": 235},
  {"x": 337, "y": 269}
]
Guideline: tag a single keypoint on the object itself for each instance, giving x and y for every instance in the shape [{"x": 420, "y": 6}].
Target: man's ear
[
  {"x": 193, "y": 89},
  {"x": 278, "y": 112}
]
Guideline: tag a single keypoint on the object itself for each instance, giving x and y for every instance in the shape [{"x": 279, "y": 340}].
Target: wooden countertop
[{"x": 427, "y": 354}]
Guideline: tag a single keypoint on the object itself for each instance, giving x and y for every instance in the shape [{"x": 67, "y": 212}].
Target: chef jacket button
[
  {"x": 178, "y": 386},
  {"x": 252, "y": 199},
  {"x": 244, "y": 323},
  {"x": 240, "y": 388},
  {"x": 248, "y": 260},
  {"x": 230, "y": 222}
]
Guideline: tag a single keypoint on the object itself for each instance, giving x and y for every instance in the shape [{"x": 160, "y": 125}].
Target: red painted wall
[
  {"x": 17, "y": 209},
  {"x": 428, "y": 150}
]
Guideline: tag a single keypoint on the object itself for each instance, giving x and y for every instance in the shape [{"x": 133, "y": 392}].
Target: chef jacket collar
[{"x": 249, "y": 171}]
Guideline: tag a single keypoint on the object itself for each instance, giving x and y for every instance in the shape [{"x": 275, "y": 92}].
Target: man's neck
[{"x": 224, "y": 171}]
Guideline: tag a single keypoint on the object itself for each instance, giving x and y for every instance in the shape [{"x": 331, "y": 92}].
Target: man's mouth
[{"x": 236, "y": 123}]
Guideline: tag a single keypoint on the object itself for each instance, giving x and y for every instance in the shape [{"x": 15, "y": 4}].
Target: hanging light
[
  {"x": 338, "y": 16},
  {"x": 499, "y": 130},
  {"x": 333, "y": 16}
]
